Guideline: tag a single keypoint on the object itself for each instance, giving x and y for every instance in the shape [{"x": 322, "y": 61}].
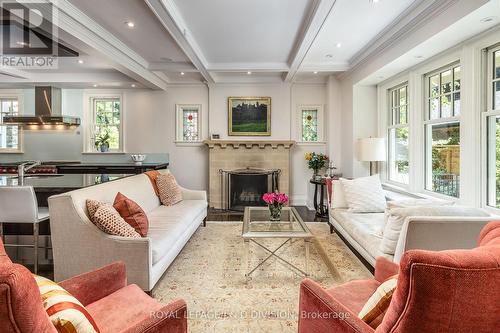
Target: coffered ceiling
[{"x": 157, "y": 43}]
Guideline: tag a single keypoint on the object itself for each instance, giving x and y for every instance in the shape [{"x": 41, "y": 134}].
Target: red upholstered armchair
[
  {"x": 114, "y": 305},
  {"x": 454, "y": 291}
]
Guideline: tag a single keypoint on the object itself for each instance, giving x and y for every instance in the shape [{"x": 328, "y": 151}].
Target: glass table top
[{"x": 256, "y": 224}]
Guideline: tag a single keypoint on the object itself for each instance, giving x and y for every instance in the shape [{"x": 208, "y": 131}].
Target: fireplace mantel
[{"x": 236, "y": 144}]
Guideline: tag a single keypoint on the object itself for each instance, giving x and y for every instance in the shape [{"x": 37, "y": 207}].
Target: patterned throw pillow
[
  {"x": 109, "y": 220},
  {"x": 375, "y": 308},
  {"x": 66, "y": 313},
  {"x": 92, "y": 206},
  {"x": 170, "y": 191},
  {"x": 364, "y": 195},
  {"x": 132, "y": 213}
]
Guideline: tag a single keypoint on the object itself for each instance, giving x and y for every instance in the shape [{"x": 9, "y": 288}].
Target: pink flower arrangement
[{"x": 275, "y": 198}]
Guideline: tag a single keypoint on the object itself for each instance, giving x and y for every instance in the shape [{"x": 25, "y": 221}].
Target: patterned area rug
[{"x": 209, "y": 275}]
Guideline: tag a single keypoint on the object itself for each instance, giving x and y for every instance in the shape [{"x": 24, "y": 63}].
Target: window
[
  {"x": 310, "y": 120},
  {"x": 493, "y": 127},
  {"x": 9, "y": 134},
  {"x": 398, "y": 135},
  {"x": 106, "y": 123},
  {"x": 442, "y": 126},
  {"x": 188, "y": 122}
]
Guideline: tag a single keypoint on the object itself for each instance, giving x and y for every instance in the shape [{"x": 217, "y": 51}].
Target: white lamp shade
[{"x": 372, "y": 149}]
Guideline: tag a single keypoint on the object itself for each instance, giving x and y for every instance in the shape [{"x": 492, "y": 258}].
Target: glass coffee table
[{"x": 256, "y": 226}]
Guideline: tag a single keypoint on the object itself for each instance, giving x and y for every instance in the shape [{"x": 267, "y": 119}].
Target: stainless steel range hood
[{"x": 47, "y": 110}]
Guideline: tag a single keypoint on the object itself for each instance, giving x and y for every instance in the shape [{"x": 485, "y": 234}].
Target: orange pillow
[{"x": 132, "y": 213}]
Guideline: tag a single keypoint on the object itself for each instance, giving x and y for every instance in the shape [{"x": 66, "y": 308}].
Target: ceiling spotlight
[
  {"x": 133, "y": 85},
  {"x": 339, "y": 45},
  {"x": 182, "y": 73},
  {"x": 249, "y": 73},
  {"x": 80, "y": 61},
  {"x": 95, "y": 85},
  {"x": 329, "y": 56},
  {"x": 130, "y": 24},
  {"x": 315, "y": 72}
]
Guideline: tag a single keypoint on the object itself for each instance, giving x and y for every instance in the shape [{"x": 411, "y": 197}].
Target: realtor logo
[{"x": 29, "y": 37}]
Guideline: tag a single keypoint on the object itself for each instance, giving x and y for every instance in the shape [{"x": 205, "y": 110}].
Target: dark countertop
[
  {"x": 94, "y": 164},
  {"x": 60, "y": 182}
]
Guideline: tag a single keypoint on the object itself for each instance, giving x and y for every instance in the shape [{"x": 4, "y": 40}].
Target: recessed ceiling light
[
  {"x": 488, "y": 19},
  {"x": 130, "y": 24},
  {"x": 182, "y": 73},
  {"x": 80, "y": 61},
  {"x": 249, "y": 73},
  {"x": 339, "y": 45},
  {"x": 133, "y": 85},
  {"x": 315, "y": 72},
  {"x": 95, "y": 85},
  {"x": 374, "y": 1},
  {"x": 329, "y": 56}
]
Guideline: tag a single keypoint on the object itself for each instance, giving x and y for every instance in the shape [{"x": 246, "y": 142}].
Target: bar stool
[{"x": 18, "y": 204}]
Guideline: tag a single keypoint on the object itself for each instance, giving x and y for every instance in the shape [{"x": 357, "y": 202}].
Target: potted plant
[
  {"x": 102, "y": 142},
  {"x": 275, "y": 202},
  {"x": 316, "y": 162}
]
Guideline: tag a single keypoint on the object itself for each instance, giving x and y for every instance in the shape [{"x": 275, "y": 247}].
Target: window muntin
[
  {"x": 398, "y": 162},
  {"x": 9, "y": 134},
  {"x": 188, "y": 126},
  {"x": 493, "y": 128},
  {"x": 106, "y": 116},
  {"x": 309, "y": 125},
  {"x": 442, "y": 127}
]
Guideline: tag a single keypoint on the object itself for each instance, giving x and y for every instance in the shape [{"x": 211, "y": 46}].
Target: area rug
[{"x": 209, "y": 275}]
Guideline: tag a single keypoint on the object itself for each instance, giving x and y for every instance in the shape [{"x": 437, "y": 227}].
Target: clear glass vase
[{"x": 275, "y": 212}]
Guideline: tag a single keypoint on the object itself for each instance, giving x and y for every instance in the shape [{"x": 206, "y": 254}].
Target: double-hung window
[
  {"x": 442, "y": 128},
  {"x": 398, "y": 165},
  {"x": 9, "y": 134},
  {"x": 105, "y": 123},
  {"x": 493, "y": 127}
]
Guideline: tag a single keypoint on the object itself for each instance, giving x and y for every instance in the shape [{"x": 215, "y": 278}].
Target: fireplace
[{"x": 245, "y": 187}]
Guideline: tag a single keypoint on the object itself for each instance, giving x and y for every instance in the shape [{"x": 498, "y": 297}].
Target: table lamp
[{"x": 371, "y": 150}]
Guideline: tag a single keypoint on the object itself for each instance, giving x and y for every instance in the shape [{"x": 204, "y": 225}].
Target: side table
[{"x": 320, "y": 207}]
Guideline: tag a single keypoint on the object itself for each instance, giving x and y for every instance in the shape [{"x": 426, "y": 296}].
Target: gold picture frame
[{"x": 246, "y": 116}]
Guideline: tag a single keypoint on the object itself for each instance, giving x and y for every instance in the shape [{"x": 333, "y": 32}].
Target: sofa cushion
[
  {"x": 109, "y": 220},
  {"x": 168, "y": 223},
  {"x": 123, "y": 309},
  {"x": 375, "y": 308},
  {"x": 132, "y": 213},
  {"x": 397, "y": 216},
  {"x": 364, "y": 195},
  {"x": 66, "y": 313}
]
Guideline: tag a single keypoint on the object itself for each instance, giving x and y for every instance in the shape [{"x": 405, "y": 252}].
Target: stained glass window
[
  {"x": 190, "y": 124},
  {"x": 9, "y": 134},
  {"x": 309, "y": 125}
]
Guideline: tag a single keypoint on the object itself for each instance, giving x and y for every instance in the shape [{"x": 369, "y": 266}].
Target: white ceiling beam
[
  {"x": 245, "y": 67},
  {"x": 167, "y": 13},
  {"x": 325, "y": 67},
  {"x": 310, "y": 29},
  {"x": 186, "y": 67},
  {"x": 76, "y": 23},
  {"x": 94, "y": 77},
  {"x": 15, "y": 73}
]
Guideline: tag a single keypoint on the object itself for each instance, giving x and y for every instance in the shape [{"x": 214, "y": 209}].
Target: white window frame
[
  {"x": 487, "y": 114},
  {"x": 320, "y": 121},
  {"x": 179, "y": 110},
  {"x": 428, "y": 126},
  {"x": 392, "y": 125},
  {"x": 89, "y": 135},
  {"x": 11, "y": 94}
]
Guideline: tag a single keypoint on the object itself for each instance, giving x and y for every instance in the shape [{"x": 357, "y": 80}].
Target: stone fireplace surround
[{"x": 241, "y": 154}]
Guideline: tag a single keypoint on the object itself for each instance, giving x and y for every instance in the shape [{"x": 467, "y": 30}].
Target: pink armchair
[
  {"x": 448, "y": 291},
  {"x": 115, "y": 306}
]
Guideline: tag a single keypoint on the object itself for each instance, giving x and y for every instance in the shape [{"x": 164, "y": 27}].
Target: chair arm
[
  {"x": 436, "y": 233},
  {"x": 193, "y": 194},
  {"x": 320, "y": 312},
  {"x": 93, "y": 286},
  {"x": 171, "y": 318},
  {"x": 384, "y": 268}
]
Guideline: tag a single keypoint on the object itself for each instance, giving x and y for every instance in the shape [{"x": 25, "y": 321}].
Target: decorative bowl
[{"x": 138, "y": 158}]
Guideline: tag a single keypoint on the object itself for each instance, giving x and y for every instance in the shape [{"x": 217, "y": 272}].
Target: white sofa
[
  {"x": 79, "y": 246},
  {"x": 364, "y": 232}
]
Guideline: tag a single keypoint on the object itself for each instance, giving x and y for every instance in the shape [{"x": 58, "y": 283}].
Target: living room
[{"x": 161, "y": 162}]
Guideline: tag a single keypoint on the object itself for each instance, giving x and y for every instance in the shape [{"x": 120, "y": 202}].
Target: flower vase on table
[
  {"x": 316, "y": 161},
  {"x": 275, "y": 202}
]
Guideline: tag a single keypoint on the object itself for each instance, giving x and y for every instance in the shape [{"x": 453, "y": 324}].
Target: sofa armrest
[
  {"x": 93, "y": 286},
  {"x": 384, "y": 268},
  {"x": 193, "y": 194},
  {"x": 171, "y": 318},
  {"x": 436, "y": 233},
  {"x": 320, "y": 312}
]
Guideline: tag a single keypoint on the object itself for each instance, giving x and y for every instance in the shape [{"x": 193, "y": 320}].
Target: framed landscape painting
[{"x": 249, "y": 116}]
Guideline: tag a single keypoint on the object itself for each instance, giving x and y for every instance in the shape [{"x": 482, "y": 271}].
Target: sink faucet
[{"x": 22, "y": 168}]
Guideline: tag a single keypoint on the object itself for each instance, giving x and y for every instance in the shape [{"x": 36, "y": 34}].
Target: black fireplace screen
[{"x": 245, "y": 187}]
